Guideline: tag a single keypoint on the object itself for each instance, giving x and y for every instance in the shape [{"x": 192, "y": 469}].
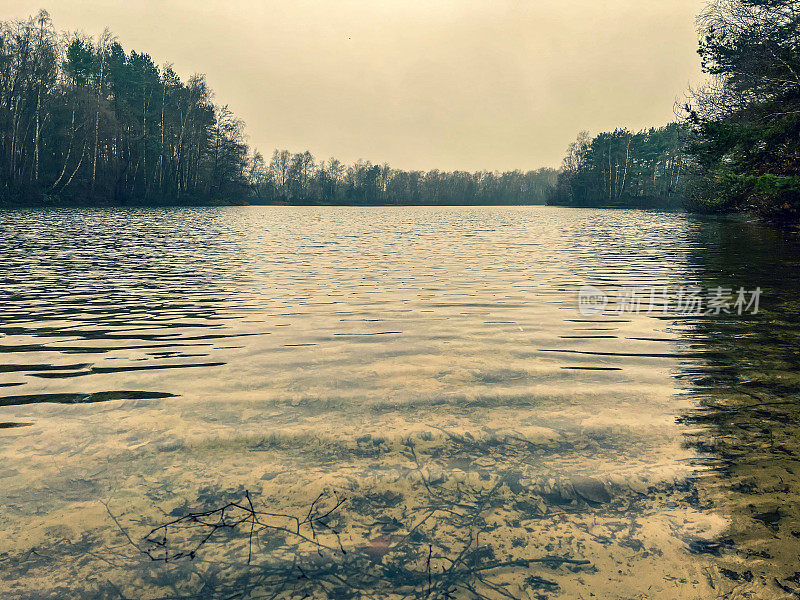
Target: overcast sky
[{"x": 420, "y": 84}]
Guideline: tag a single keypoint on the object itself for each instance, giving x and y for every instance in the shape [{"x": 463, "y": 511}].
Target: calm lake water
[{"x": 426, "y": 367}]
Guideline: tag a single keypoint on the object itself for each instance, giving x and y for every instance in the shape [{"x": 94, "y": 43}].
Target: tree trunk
[
  {"x": 97, "y": 116},
  {"x": 625, "y": 171}
]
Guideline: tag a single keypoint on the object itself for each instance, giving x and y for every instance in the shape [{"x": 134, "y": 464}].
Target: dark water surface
[{"x": 393, "y": 403}]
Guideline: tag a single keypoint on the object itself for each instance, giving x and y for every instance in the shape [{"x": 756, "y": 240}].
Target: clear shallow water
[{"x": 430, "y": 365}]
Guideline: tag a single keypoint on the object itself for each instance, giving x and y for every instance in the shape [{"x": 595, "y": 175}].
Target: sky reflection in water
[{"x": 431, "y": 365}]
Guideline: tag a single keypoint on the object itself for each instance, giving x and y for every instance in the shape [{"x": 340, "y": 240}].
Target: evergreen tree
[
  {"x": 84, "y": 121},
  {"x": 624, "y": 169},
  {"x": 747, "y": 148}
]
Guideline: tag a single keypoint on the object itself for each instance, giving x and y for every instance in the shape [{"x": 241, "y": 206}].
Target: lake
[{"x": 399, "y": 402}]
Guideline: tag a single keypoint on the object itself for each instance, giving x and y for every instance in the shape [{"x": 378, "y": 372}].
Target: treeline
[
  {"x": 746, "y": 152},
  {"x": 738, "y": 149},
  {"x": 299, "y": 179},
  {"x": 82, "y": 120},
  {"x": 623, "y": 169}
]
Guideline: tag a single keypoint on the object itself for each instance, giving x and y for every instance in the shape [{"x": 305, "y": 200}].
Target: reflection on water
[
  {"x": 748, "y": 409},
  {"x": 427, "y": 365}
]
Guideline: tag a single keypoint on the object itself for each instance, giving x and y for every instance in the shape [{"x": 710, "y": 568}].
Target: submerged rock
[{"x": 591, "y": 490}]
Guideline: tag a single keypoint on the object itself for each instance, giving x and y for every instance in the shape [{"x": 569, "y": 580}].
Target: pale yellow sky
[{"x": 420, "y": 84}]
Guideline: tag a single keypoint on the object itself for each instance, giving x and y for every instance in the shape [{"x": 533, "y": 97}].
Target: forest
[
  {"x": 299, "y": 179},
  {"x": 624, "y": 169},
  {"x": 82, "y": 121},
  {"x": 737, "y": 145},
  {"x": 745, "y": 147}
]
